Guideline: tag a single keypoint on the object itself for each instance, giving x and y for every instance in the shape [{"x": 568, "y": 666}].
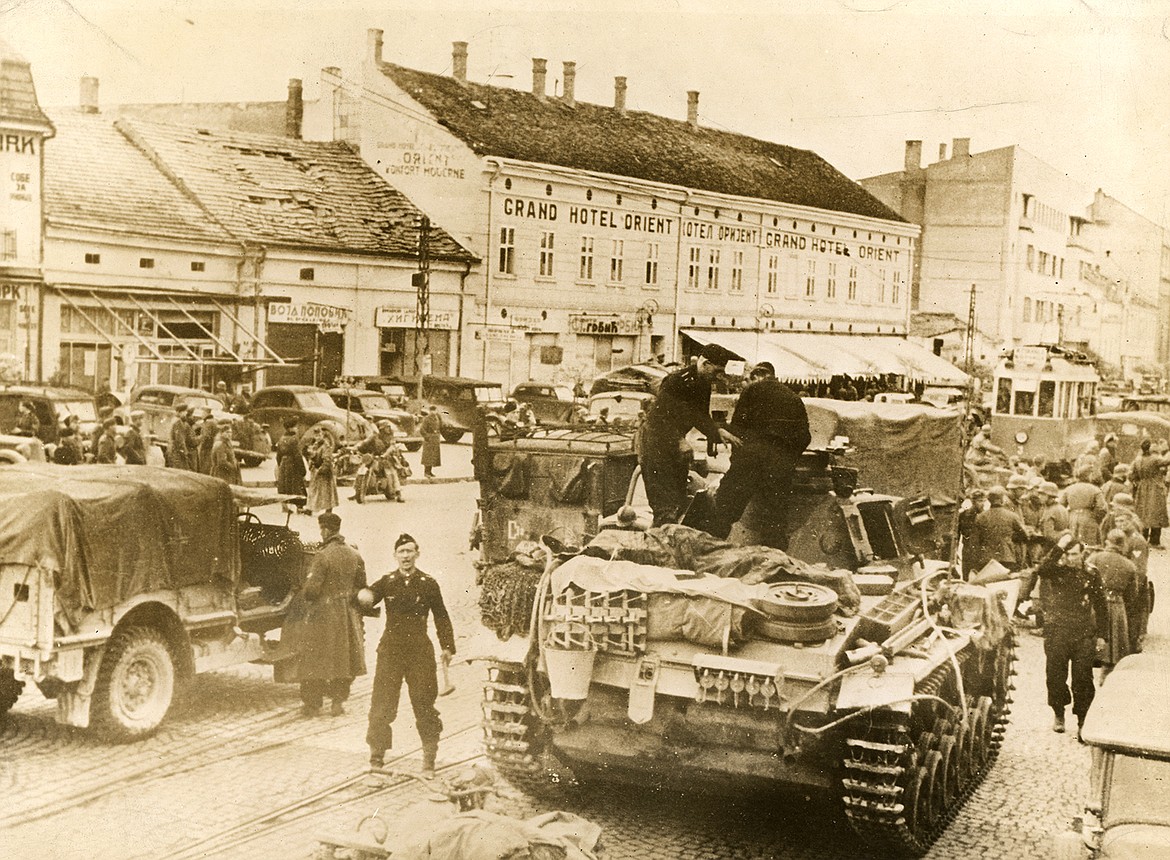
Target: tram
[{"x": 1045, "y": 402}]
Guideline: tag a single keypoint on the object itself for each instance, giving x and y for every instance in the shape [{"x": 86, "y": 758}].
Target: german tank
[{"x": 850, "y": 666}]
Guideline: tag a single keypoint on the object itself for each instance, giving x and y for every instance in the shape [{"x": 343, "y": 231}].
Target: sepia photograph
[{"x": 584, "y": 430}]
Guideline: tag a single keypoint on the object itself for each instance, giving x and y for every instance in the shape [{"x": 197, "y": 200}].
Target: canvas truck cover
[
  {"x": 903, "y": 449},
  {"x": 116, "y": 531}
]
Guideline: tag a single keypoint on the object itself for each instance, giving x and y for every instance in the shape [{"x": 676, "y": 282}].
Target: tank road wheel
[
  {"x": 135, "y": 685},
  {"x": 981, "y": 736},
  {"x": 515, "y": 738},
  {"x": 10, "y": 690}
]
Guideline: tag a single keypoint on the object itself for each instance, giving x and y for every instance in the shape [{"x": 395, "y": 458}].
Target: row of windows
[
  {"x": 1048, "y": 216},
  {"x": 1046, "y": 312},
  {"x": 7, "y": 244},
  {"x": 703, "y": 270},
  {"x": 1044, "y": 263},
  {"x": 93, "y": 259}
]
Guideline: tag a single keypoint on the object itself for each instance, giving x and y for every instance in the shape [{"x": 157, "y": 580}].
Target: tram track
[
  {"x": 344, "y": 793},
  {"x": 248, "y": 739}
]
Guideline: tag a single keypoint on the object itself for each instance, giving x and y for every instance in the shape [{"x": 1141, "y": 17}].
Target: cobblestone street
[{"x": 236, "y": 772}]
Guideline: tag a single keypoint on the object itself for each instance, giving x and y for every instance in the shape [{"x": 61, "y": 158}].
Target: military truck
[
  {"x": 119, "y": 583},
  {"x": 853, "y": 667}
]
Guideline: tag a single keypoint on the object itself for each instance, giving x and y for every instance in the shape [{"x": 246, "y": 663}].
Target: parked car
[
  {"x": 551, "y": 404},
  {"x": 1146, "y": 403},
  {"x": 52, "y": 406},
  {"x": 621, "y": 408},
  {"x": 1127, "y": 812},
  {"x": 457, "y": 398},
  {"x": 376, "y": 406},
  {"x": 315, "y": 412},
  {"x": 158, "y": 404},
  {"x": 1131, "y": 428},
  {"x": 634, "y": 377},
  {"x": 944, "y": 396}
]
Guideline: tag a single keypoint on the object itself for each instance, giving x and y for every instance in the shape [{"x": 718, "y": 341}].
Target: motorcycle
[{"x": 381, "y": 473}]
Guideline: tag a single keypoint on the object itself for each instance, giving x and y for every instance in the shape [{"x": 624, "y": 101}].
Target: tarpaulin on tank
[
  {"x": 902, "y": 449},
  {"x": 116, "y": 531},
  {"x": 682, "y": 547}
]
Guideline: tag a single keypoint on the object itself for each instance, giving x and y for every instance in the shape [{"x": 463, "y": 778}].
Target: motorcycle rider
[{"x": 378, "y": 459}]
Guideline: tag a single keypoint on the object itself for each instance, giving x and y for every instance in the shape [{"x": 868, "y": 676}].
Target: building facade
[
  {"x": 181, "y": 255},
  {"x": 24, "y": 129},
  {"x": 1049, "y": 261},
  {"x": 612, "y": 236}
]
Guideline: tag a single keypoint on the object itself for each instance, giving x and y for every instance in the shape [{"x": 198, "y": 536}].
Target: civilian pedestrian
[
  {"x": 683, "y": 403},
  {"x": 1119, "y": 577},
  {"x": 1148, "y": 474},
  {"x": 1075, "y": 619},
  {"x": 772, "y": 424},
  {"x": 324, "y": 632},
  {"x": 322, "y": 489},
  {"x": 290, "y": 465},
  {"x": 405, "y": 653},
  {"x": 181, "y": 452},
  {"x": 430, "y": 428}
]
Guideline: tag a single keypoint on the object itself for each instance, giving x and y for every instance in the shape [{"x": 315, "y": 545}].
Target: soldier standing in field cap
[
  {"x": 683, "y": 402},
  {"x": 405, "y": 653}
]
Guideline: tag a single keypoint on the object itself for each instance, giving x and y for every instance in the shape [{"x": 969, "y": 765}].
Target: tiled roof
[
  {"x": 18, "y": 95},
  {"x": 928, "y": 324},
  {"x": 282, "y": 191},
  {"x": 517, "y": 125},
  {"x": 94, "y": 177}
]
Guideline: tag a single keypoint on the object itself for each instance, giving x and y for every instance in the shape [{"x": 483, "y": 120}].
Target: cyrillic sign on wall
[
  {"x": 325, "y": 317},
  {"x": 393, "y": 317}
]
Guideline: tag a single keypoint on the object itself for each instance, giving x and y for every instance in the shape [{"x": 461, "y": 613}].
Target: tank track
[
  {"x": 515, "y": 738},
  {"x": 905, "y": 778}
]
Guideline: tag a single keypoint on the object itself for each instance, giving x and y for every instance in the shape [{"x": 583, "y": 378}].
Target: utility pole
[{"x": 422, "y": 291}]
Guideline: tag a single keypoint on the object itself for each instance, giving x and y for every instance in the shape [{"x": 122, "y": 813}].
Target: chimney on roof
[
  {"x": 961, "y": 147},
  {"x": 913, "y": 157},
  {"x": 89, "y": 94},
  {"x": 294, "y": 109},
  {"x": 374, "y": 43},
  {"x": 539, "y": 75},
  {"x": 942, "y": 152},
  {"x": 693, "y": 108},
  {"x": 570, "y": 94},
  {"x": 459, "y": 61},
  {"x": 619, "y": 94}
]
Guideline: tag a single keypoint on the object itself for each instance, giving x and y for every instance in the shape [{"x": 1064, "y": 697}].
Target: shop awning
[{"x": 808, "y": 357}]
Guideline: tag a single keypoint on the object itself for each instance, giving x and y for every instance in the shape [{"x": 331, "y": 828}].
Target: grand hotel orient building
[{"x": 610, "y": 236}]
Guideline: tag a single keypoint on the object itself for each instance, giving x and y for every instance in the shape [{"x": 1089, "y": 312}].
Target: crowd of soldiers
[{"x": 1081, "y": 552}]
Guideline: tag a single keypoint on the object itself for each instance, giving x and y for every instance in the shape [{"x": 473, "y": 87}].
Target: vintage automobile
[
  {"x": 376, "y": 406},
  {"x": 1127, "y": 812},
  {"x": 118, "y": 585},
  {"x": 849, "y": 668},
  {"x": 551, "y": 404},
  {"x": 51, "y": 405},
  {"x": 618, "y": 409},
  {"x": 633, "y": 377},
  {"x": 317, "y": 416},
  {"x": 456, "y": 398},
  {"x": 1131, "y": 428},
  {"x": 158, "y": 404}
]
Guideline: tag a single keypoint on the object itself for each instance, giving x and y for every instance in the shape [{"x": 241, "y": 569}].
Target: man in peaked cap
[
  {"x": 181, "y": 450},
  {"x": 683, "y": 403}
]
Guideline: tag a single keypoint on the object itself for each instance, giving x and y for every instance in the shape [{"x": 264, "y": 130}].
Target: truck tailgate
[{"x": 26, "y": 608}]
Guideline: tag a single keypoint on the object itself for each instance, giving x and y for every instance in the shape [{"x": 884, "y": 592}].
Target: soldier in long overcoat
[
  {"x": 180, "y": 451},
  {"x": 1148, "y": 474},
  {"x": 430, "y": 429},
  {"x": 290, "y": 465},
  {"x": 324, "y": 630},
  {"x": 224, "y": 464}
]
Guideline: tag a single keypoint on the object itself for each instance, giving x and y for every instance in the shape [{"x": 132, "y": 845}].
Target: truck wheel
[
  {"x": 135, "y": 685},
  {"x": 10, "y": 690},
  {"x": 319, "y": 431},
  {"x": 452, "y": 434}
]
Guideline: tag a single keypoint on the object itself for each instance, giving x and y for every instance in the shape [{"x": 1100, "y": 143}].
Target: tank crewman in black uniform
[
  {"x": 405, "y": 653},
  {"x": 1074, "y": 611},
  {"x": 683, "y": 402},
  {"x": 773, "y": 424}
]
